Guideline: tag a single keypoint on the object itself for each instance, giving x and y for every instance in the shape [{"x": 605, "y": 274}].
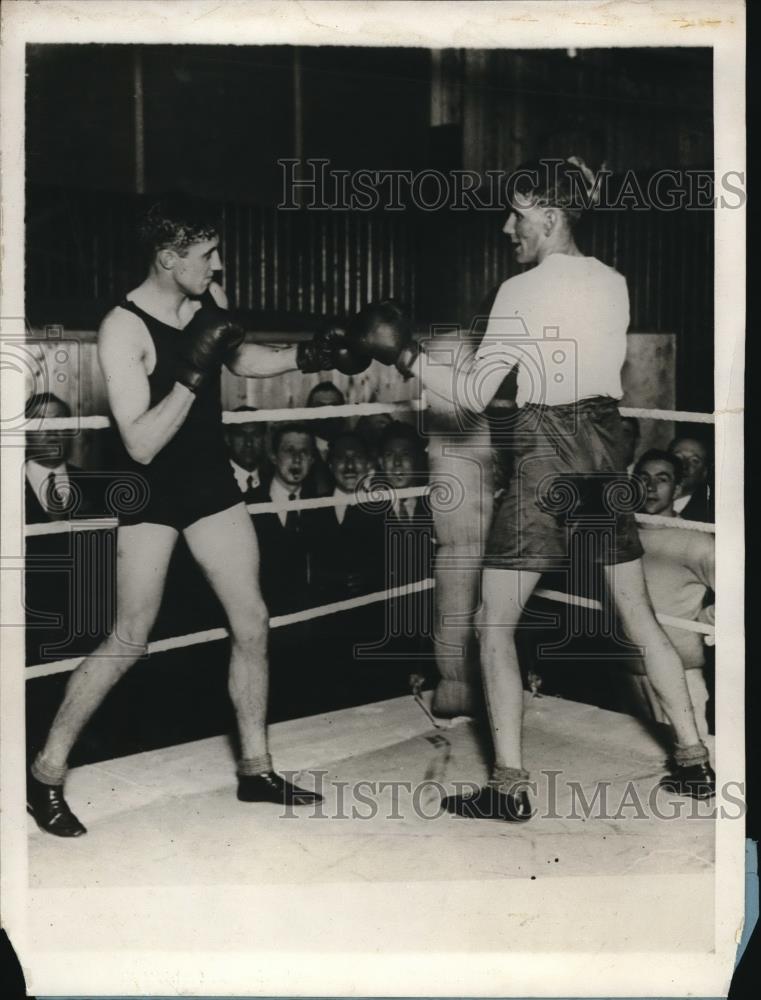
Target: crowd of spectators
[{"x": 319, "y": 556}]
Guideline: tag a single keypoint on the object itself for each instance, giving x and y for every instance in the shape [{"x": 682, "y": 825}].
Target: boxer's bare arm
[
  {"x": 122, "y": 348},
  {"x": 263, "y": 360},
  {"x": 454, "y": 377},
  {"x": 256, "y": 360}
]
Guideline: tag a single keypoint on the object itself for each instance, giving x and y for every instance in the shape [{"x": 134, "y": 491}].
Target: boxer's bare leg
[
  {"x": 504, "y": 595},
  {"x": 225, "y": 546},
  {"x": 662, "y": 663},
  {"x": 142, "y": 560},
  {"x": 463, "y": 465}
]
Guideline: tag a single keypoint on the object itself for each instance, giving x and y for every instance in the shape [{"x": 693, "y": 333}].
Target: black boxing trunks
[
  {"x": 569, "y": 494},
  {"x": 191, "y": 477}
]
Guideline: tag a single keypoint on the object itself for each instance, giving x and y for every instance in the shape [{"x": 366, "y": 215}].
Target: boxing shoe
[
  {"x": 696, "y": 780},
  {"x": 49, "y": 809},
  {"x": 271, "y": 787},
  {"x": 491, "y": 802}
]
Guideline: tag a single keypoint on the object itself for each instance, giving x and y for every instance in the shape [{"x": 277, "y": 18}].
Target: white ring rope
[
  {"x": 265, "y": 507},
  {"x": 213, "y": 634},
  {"x": 301, "y": 413},
  {"x": 679, "y": 416},
  {"x": 336, "y": 607},
  {"x": 322, "y": 413},
  {"x": 348, "y": 500}
]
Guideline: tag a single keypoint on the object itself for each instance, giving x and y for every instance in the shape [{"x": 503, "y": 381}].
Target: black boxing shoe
[
  {"x": 49, "y": 809},
  {"x": 491, "y": 802},
  {"x": 271, "y": 787},
  {"x": 696, "y": 780}
]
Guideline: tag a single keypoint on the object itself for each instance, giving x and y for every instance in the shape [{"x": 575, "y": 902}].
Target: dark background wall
[{"x": 109, "y": 126}]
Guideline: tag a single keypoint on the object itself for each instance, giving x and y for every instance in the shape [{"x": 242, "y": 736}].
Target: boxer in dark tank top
[{"x": 161, "y": 352}]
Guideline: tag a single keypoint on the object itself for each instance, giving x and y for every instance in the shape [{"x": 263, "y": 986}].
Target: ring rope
[
  {"x": 214, "y": 634},
  {"x": 344, "y": 410},
  {"x": 316, "y": 503},
  {"x": 336, "y": 607},
  {"x": 264, "y": 507},
  {"x": 680, "y": 416}
]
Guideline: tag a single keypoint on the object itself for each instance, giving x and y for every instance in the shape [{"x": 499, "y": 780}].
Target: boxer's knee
[{"x": 249, "y": 623}]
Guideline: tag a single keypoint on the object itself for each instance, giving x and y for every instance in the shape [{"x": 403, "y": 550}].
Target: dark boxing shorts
[
  {"x": 198, "y": 493},
  {"x": 569, "y": 495}
]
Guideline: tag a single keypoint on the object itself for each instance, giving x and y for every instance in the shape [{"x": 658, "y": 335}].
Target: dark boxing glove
[
  {"x": 208, "y": 339},
  {"x": 383, "y": 332},
  {"x": 327, "y": 350}
]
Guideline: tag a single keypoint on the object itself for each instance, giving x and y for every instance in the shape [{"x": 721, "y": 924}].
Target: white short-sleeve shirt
[{"x": 564, "y": 323}]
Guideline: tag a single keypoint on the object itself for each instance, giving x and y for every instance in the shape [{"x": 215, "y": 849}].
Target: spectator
[
  {"x": 247, "y": 444},
  {"x": 695, "y": 502},
  {"x": 55, "y": 488},
  {"x": 324, "y": 394},
  {"x": 347, "y": 540},
  {"x": 679, "y": 572},
  {"x": 282, "y": 536},
  {"x": 370, "y": 428},
  {"x": 631, "y": 436},
  {"x": 403, "y": 465}
]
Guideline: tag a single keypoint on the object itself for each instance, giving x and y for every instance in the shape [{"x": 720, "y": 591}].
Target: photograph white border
[{"x": 371, "y": 968}]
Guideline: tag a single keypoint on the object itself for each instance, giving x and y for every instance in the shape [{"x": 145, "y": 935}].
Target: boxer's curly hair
[
  {"x": 568, "y": 184},
  {"x": 176, "y": 222}
]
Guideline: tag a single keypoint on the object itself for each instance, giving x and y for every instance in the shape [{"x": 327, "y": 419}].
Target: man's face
[
  {"x": 194, "y": 269},
  {"x": 526, "y": 228},
  {"x": 332, "y": 427},
  {"x": 657, "y": 476},
  {"x": 293, "y": 458},
  {"x": 50, "y": 448},
  {"x": 349, "y": 464},
  {"x": 398, "y": 462},
  {"x": 694, "y": 458},
  {"x": 246, "y": 444}
]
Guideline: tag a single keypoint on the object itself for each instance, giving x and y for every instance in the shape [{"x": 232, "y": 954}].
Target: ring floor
[{"x": 167, "y": 820}]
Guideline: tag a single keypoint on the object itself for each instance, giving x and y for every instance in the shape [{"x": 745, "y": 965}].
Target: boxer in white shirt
[{"x": 564, "y": 323}]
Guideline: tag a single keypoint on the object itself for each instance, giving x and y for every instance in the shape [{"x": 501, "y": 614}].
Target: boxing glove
[
  {"x": 207, "y": 341},
  {"x": 383, "y": 332},
  {"x": 327, "y": 350}
]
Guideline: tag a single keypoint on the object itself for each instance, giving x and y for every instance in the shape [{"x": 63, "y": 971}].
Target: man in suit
[
  {"x": 347, "y": 540},
  {"x": 320, "y": 481},
  {"x": 695, "y": 500},
  {"x": 55, "y": 488},
  {"x": 409, "y": 547},
  {"x": 403, "y": 465},
  {"x": 247, "y": 444},
  {"x": 283, "y": 536}
]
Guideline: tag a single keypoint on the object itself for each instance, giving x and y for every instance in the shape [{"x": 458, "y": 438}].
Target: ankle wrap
[
  {"x": 48, "y": 774},
  {"x": 696, "y": 753},
  {"x": 250, "y": 766},
  {"x": 506, "y": 778}
]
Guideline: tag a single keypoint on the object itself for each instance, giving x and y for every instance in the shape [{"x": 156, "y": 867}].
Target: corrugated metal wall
[{"x": 288, "y": 269}]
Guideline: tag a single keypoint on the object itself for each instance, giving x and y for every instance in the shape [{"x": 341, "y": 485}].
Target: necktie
[
  {"x": 54, "y": 498},
  {"x": 292, "y": 517},
  {"x": 249, "y": 483}
]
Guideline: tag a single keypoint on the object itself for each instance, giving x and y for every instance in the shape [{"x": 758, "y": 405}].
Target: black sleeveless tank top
[{"x": 198, "y": 448}]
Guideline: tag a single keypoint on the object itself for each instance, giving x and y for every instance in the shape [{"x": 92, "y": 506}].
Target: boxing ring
[{"x": 169, "y": 817}]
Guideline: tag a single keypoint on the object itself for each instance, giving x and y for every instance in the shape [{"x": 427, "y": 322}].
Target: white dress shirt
[
  {"x": 37, "y": 476},
  {"x": 405, "y": 508},
  {"x": 241, "y": 477},
  {"x": 280, "y": 493}
]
